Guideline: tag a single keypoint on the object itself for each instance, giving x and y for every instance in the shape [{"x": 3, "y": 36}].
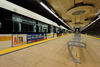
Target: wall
[{"x": 93, "y": 32}]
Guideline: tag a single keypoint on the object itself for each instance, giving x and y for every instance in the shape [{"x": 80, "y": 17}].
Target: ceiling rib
[
  {"x": 60, "y": 6},
  {"x": 94, "y": 9}
]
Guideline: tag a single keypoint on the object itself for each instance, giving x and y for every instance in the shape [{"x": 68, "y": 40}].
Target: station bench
[{"x": 76, "y": 41}]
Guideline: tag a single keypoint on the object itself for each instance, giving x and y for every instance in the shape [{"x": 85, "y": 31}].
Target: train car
[{"x": 20, "y": 26}]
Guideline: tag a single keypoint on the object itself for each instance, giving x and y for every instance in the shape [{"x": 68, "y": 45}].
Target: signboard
[
  {"x": 34, "y": 37},
  {"x": 19, "y": 39},
  {"x": 5, "y": 41}
]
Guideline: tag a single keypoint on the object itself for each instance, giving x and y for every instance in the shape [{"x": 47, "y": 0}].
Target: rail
[{"x": 76, "y": 41}]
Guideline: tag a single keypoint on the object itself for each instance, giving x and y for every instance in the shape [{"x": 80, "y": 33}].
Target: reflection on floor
[{"x": 55, "y": 53}]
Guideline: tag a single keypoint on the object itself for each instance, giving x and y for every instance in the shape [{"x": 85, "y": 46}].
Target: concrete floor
[{"x": 55, "y": 53}]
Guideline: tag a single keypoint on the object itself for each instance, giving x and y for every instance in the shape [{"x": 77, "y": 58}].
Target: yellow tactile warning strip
[
  {"x": 5, "y": 51},
  {"x": 93, "y": 37}
]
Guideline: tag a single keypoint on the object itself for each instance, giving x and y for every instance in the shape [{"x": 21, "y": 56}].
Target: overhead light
[
  {"x": 48, "y": 9},
  {"x": 98, "y": 15},
  {"x": 60, "y": 20},
  {"x": 52, "y": 10}
]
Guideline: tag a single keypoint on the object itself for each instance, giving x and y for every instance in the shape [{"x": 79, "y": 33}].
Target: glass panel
[
  {"x": 51, "y": 31},
  {"x": 45, "y": 28},
  {"x": 40, "y": 28},
  {"x": 16, "y": 26},
  {"x": 30, "y": 28},
  {"x": 34, "y": 28},
  {"x": 23, "y": 24},
  {"x": 16, "y": 21},
  {"x": 56, "y": 29},
  {"x": 24, "y": 27}
]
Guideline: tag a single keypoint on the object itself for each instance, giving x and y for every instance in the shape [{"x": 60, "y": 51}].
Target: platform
[{"x": 54, "y": 53}]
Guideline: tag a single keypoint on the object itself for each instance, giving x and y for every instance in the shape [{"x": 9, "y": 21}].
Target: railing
[{"x": 76, "y": 41}]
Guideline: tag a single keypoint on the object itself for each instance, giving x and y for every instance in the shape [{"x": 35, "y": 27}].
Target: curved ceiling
[{"x": 63, "y": 6}]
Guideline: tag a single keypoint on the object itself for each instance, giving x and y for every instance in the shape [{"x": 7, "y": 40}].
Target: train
[{"x": 19, "y": 26}]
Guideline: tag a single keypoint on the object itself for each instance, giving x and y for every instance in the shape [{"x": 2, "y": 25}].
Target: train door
[{"x": 51, "y": 32}]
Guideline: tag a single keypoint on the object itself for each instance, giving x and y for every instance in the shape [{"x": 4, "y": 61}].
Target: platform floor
[{"x": 55, "y": 53}]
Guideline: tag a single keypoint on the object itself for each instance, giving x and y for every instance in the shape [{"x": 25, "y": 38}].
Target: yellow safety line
[
  {"x": 4, "y": 51},
  {"x": 93, "y": 37}
]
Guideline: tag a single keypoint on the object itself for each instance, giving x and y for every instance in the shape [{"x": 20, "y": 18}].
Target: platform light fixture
[
  {"x": 52, "y": 10},
  {"x": 48, "y": 9}
]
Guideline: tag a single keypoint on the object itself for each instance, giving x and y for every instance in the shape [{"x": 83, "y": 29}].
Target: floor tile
[
  {"x": 5, "y": 62},
  {"x": 50, "y": 63}
]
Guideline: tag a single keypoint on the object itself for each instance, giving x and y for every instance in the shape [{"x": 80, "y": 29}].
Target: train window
[
  {"x": 39, "y": 27},
  {"x": 56, "y": 29},
  {"x": 61, "y": 30},
  {"x": 34, "y": 28},
  {"x": 42, "y": 28},
  {"x": 23, "y": 24},
  {"x": 45, "y": 28},
  {"x": 30, "y": 28},
  {"x": 15, "y": 27},
  {"x": 16, "y": 21},
  {"x": 51, "y": 28},
  {"x": 24, "y": 27}
]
